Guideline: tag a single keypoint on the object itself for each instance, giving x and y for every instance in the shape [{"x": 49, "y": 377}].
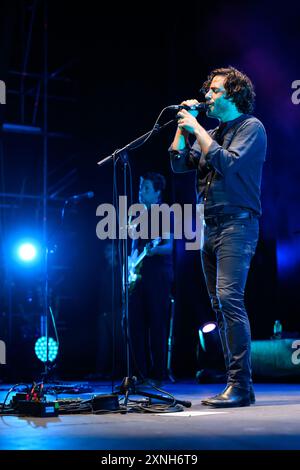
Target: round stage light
[
  {"x": 208, "y": 327},
  {"x": 27, "y": 252},
  {"x": 41, "y": 349},
  {"x": 210, "y": 353}
]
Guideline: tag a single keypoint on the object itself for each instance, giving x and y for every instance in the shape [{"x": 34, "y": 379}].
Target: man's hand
[
  {"x": 181, "y": 137},
  {"x": 132, "y": 259},
  {"x": 191, "y": 103},
  {"x": 188, "y": 121}
]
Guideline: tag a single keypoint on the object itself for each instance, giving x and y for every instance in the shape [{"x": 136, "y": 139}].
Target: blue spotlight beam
[{"x": 27, "y": 252}]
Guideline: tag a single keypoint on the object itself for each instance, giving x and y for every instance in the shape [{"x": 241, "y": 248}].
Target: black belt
[{"x": 221, "y": 219}]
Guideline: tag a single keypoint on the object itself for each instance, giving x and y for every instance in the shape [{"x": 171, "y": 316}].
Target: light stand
[
  {"x": 46, "y": 303},
  {"x": 125, "y": 283},
  {"x": 45, "y": 189},
  {"x": 128, "y": 385},
  {"x": 49, "y": 366}
]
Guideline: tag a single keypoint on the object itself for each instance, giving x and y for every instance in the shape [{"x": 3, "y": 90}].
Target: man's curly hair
[{"x": 238, "y": 87}]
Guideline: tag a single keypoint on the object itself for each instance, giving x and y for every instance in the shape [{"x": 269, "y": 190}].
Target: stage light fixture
[
  {"x": 204, "y": 331},
  {"x": 210, "y": 357},
  {"x": 41, "y": 349}
]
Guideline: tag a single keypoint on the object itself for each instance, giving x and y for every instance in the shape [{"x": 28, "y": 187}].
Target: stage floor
[{"x": 273, "y": 423}]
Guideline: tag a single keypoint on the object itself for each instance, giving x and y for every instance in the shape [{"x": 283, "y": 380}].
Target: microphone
[
  {"x": 195, "y": 107},
  {"x": 79, "y": 197}
]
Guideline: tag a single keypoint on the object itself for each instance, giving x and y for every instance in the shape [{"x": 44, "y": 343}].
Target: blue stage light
[
  {"x": 27, "y": 252},
  {"x": 41, "y": 349}
]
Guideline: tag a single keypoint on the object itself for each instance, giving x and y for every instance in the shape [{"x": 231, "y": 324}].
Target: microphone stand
[
  {"x": 138, "y": 142},
  {"x": 128, "y": 384}
]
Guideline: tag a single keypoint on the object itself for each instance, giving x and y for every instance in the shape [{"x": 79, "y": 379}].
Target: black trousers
[
  {"x": 226, "y": 255},
  {"x": 149, "y": 322}
]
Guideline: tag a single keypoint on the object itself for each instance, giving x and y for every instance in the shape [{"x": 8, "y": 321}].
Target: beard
[{"x": 217, "y": 109}]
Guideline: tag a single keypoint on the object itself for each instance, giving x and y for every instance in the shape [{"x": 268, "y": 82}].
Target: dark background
[{"x": 119, "y": 65}]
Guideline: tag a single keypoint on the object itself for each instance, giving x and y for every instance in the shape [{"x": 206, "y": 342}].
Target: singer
[{"x": 228, "y": 161}]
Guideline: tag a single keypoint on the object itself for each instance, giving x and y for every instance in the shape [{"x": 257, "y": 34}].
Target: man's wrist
[{"x": 198, "y": 132}]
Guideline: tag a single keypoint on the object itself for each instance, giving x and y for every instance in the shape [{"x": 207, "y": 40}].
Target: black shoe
[
  {"x": 229, "y": 398},
  {"x": 252, "y": 397}
]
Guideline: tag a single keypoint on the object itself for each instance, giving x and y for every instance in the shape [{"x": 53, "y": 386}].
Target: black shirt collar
[{"x": 225, "y": 126}]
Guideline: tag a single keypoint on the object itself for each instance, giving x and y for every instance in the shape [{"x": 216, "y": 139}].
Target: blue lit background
[{"x": 121, "y": 78}]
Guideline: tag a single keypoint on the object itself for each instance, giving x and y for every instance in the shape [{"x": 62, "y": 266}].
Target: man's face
[
  {"x": 147, "y": 194},
  {"x": 216, "y": 98}
]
